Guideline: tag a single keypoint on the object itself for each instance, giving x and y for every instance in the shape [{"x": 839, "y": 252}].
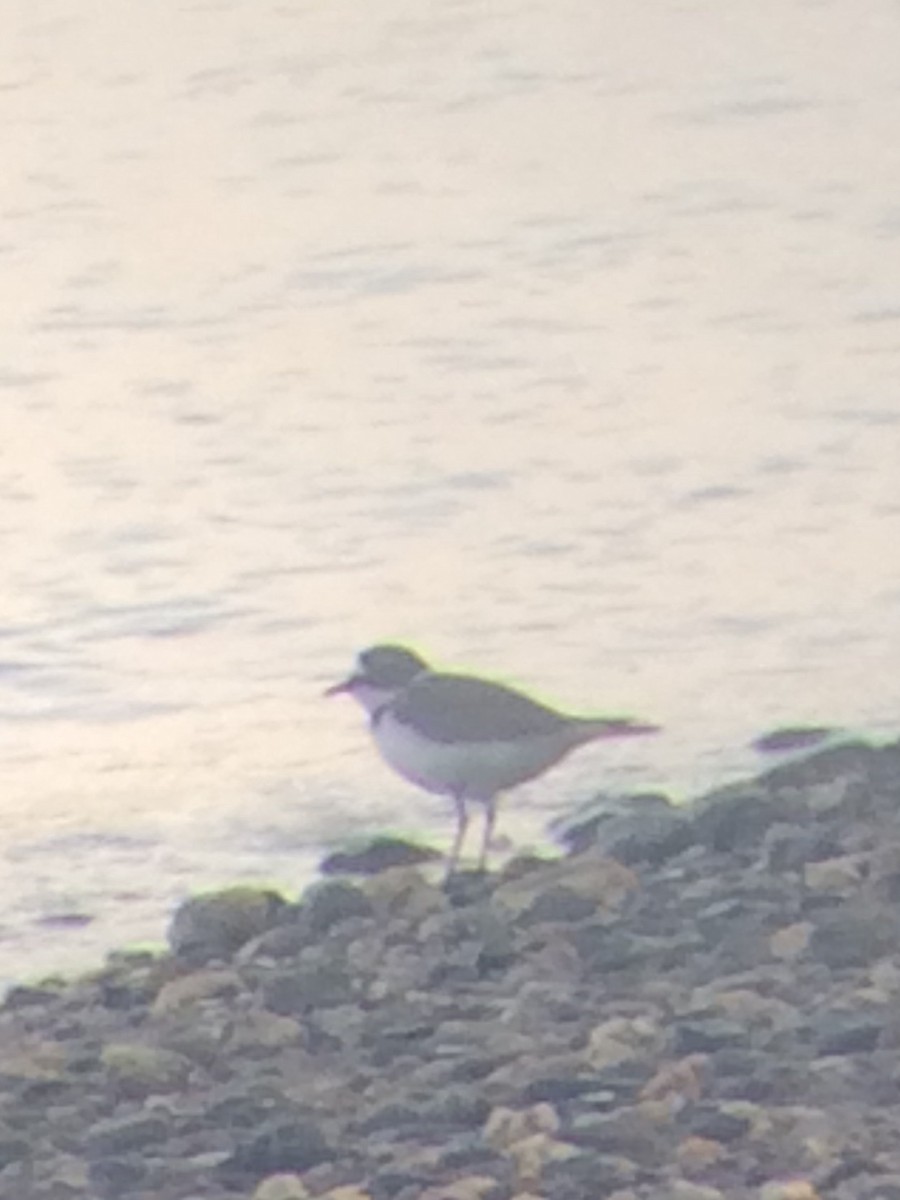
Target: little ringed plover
[{"x": 463, "y": 736}]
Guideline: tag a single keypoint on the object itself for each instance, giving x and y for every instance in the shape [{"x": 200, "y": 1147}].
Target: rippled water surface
[{"x": 560, "y": 340}]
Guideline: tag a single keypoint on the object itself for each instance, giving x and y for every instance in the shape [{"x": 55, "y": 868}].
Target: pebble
[{"x": 711, "y": 1016}]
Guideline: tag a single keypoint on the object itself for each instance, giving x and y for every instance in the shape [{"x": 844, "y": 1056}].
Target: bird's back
[{"x": 460, "y": 708}]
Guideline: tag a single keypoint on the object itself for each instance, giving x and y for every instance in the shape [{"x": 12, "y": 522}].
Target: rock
[
  {"x": 506, "y": 1127},
  {"x": 706, "y": 1035},
  {"x": 847, "y": 1032},
  {"x": 112, "y": 1178},
  {"x": 684, "y": 1189},
  {"x": 140, "y": 1070},
  {"x": 727, "y": 1026},
  {"x": 792, "y": 737},
  {"x": 278, "y": 1146},
  {"x": 328, "y": 904},
  {"x": 404, "y": 892},
  {"x": 600, "y": 882},
  {"x": 260, "y": 1032},
  {"x": 623, "y": 1039},
  {"x": 471, "y": 1187},
  {"x": 791, "y": 942},
  {"x": 626, "y": 1132},
  {"x": 587, "y": 1175},
  {"x": 193, "y": 989},
  {"x": 841, "y": 876},
  {"x": 735, "y": 819},
  {"x": 217, "y": 924},
  {"x": 853, "y": 936},
  {"x": 318, "y": 981},
  {"x": 377, "y": 855},
  {"x": 283, "y": 1186},
  {"x": 631, "y": 829},
  {"x": 119, "y": 1135},
  {"x": 789, "y": 1189}
]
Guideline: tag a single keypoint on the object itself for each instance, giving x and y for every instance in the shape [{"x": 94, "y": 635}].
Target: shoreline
[{"x": 693, "y": 1003}]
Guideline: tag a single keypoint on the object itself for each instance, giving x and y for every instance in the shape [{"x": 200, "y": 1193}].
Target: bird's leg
[
  {"x": 462, "y": 820},
  {"x": 490, "y": 816}
]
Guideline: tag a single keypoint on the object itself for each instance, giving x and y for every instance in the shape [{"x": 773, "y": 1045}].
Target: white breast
[{"x": 476, "y": 771}]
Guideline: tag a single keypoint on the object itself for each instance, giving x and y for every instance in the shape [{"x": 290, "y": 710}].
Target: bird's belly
[{"x": 475, "y": 770}]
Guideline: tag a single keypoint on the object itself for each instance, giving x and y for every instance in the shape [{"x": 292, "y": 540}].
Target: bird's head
[{"x": 380, "y": 673}]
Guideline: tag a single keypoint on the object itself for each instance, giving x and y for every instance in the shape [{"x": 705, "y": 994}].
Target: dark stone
[
  {"x": 119, "y": 1135},
  {"x": 710, "y": 1121},
  {"x": 882, "y": 1187},
  {"x": 240, "y": 1110},
  {"x": 115, "y": 1177},
  {"x": 13, "y": 1148},
  {"x": 846, "y": 936},
  {"x": 459, "y": 1108},
  {"x": 294, "y": 1144},
  {"x": 555, "y": 1089},
  {"x": 791, "y": 847},
  {"x": 298, "y": 991},
  {"x": 604, "y": 948},
  {"x": 625, "y": 1132},
  {"x": 26, "y": 995},
  {"x": 378, "y": 855},
  {"x": 792, "y": 737},
  {"x": 558, "y": 903},
  {"x": 705, "y": 1035},
  {"x": 846, "y": 1033},
  {"x": 834, "y": 762},
  {"x": 450, "y": 1110},
  {"x": 468, "y": 1154},
  {"x": 333, "y": 902},
  {"x": 397, "y": 1183},
  {"x": 588, "y": 1175},
  {"x": 473, "y": 1070},
  {"x": 633, "y": 829},
  {"x": 214, "y": 925},
  {"x": 463, "y": 888},
  {"x": 735, "y": 821}
]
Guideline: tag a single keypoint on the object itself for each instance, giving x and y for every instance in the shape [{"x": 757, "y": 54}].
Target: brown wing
[{"x": 451, "y": 708}]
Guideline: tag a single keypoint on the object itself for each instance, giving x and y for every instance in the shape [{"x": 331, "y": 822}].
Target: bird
[{"x": 463, "y": 736}]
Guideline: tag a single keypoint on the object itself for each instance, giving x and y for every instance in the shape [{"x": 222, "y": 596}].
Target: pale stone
[{"x": 284, "y": 1186}]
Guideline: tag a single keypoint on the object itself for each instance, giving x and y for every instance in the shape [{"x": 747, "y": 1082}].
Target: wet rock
[
  {"x": 718, "y": 1021},
  {"x": 853, "y": 936},
  {"x": 140, "y": 1070},
  {"x": 592, "y": 877},
  {"x": 114, "y": 1177},
  {"x": 282, "y": 1187},
  {"x": 707, "y": 1035},
  {"x": 627, "y": 1133},
  {"x": 792, "y": 737},
  {"x": 377, "y": 855},
  {"x": 119, "y": 1135},
  {"x": 328, "y": 904},
  {"x": 624, "y": 1039},
  {"x": 632, "y": 829},
  {"x": 735, "y": 820},
  {"x": 844, "y": 1032},
  {"x": 404, "y": 892},
  {"x": 281, "y": 1145},
  {"x": 317, "y": 982},
  {"x": 217, "y": 924},
  {"x": 585, "y": 1175},
  {"x": 193, "y": 989}
]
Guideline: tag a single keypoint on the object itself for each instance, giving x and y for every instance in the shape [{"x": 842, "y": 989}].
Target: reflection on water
[{"x": 561, "y": 342}]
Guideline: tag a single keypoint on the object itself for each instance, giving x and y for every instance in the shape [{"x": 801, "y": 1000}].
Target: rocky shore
[{"x": 691, "y": 1005}]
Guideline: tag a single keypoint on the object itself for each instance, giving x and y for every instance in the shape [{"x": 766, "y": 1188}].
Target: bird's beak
[{"x": 346, "y": 685}]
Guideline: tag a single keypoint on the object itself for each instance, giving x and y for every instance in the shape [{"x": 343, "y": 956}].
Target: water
[{"x": 559, "y": 340}]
